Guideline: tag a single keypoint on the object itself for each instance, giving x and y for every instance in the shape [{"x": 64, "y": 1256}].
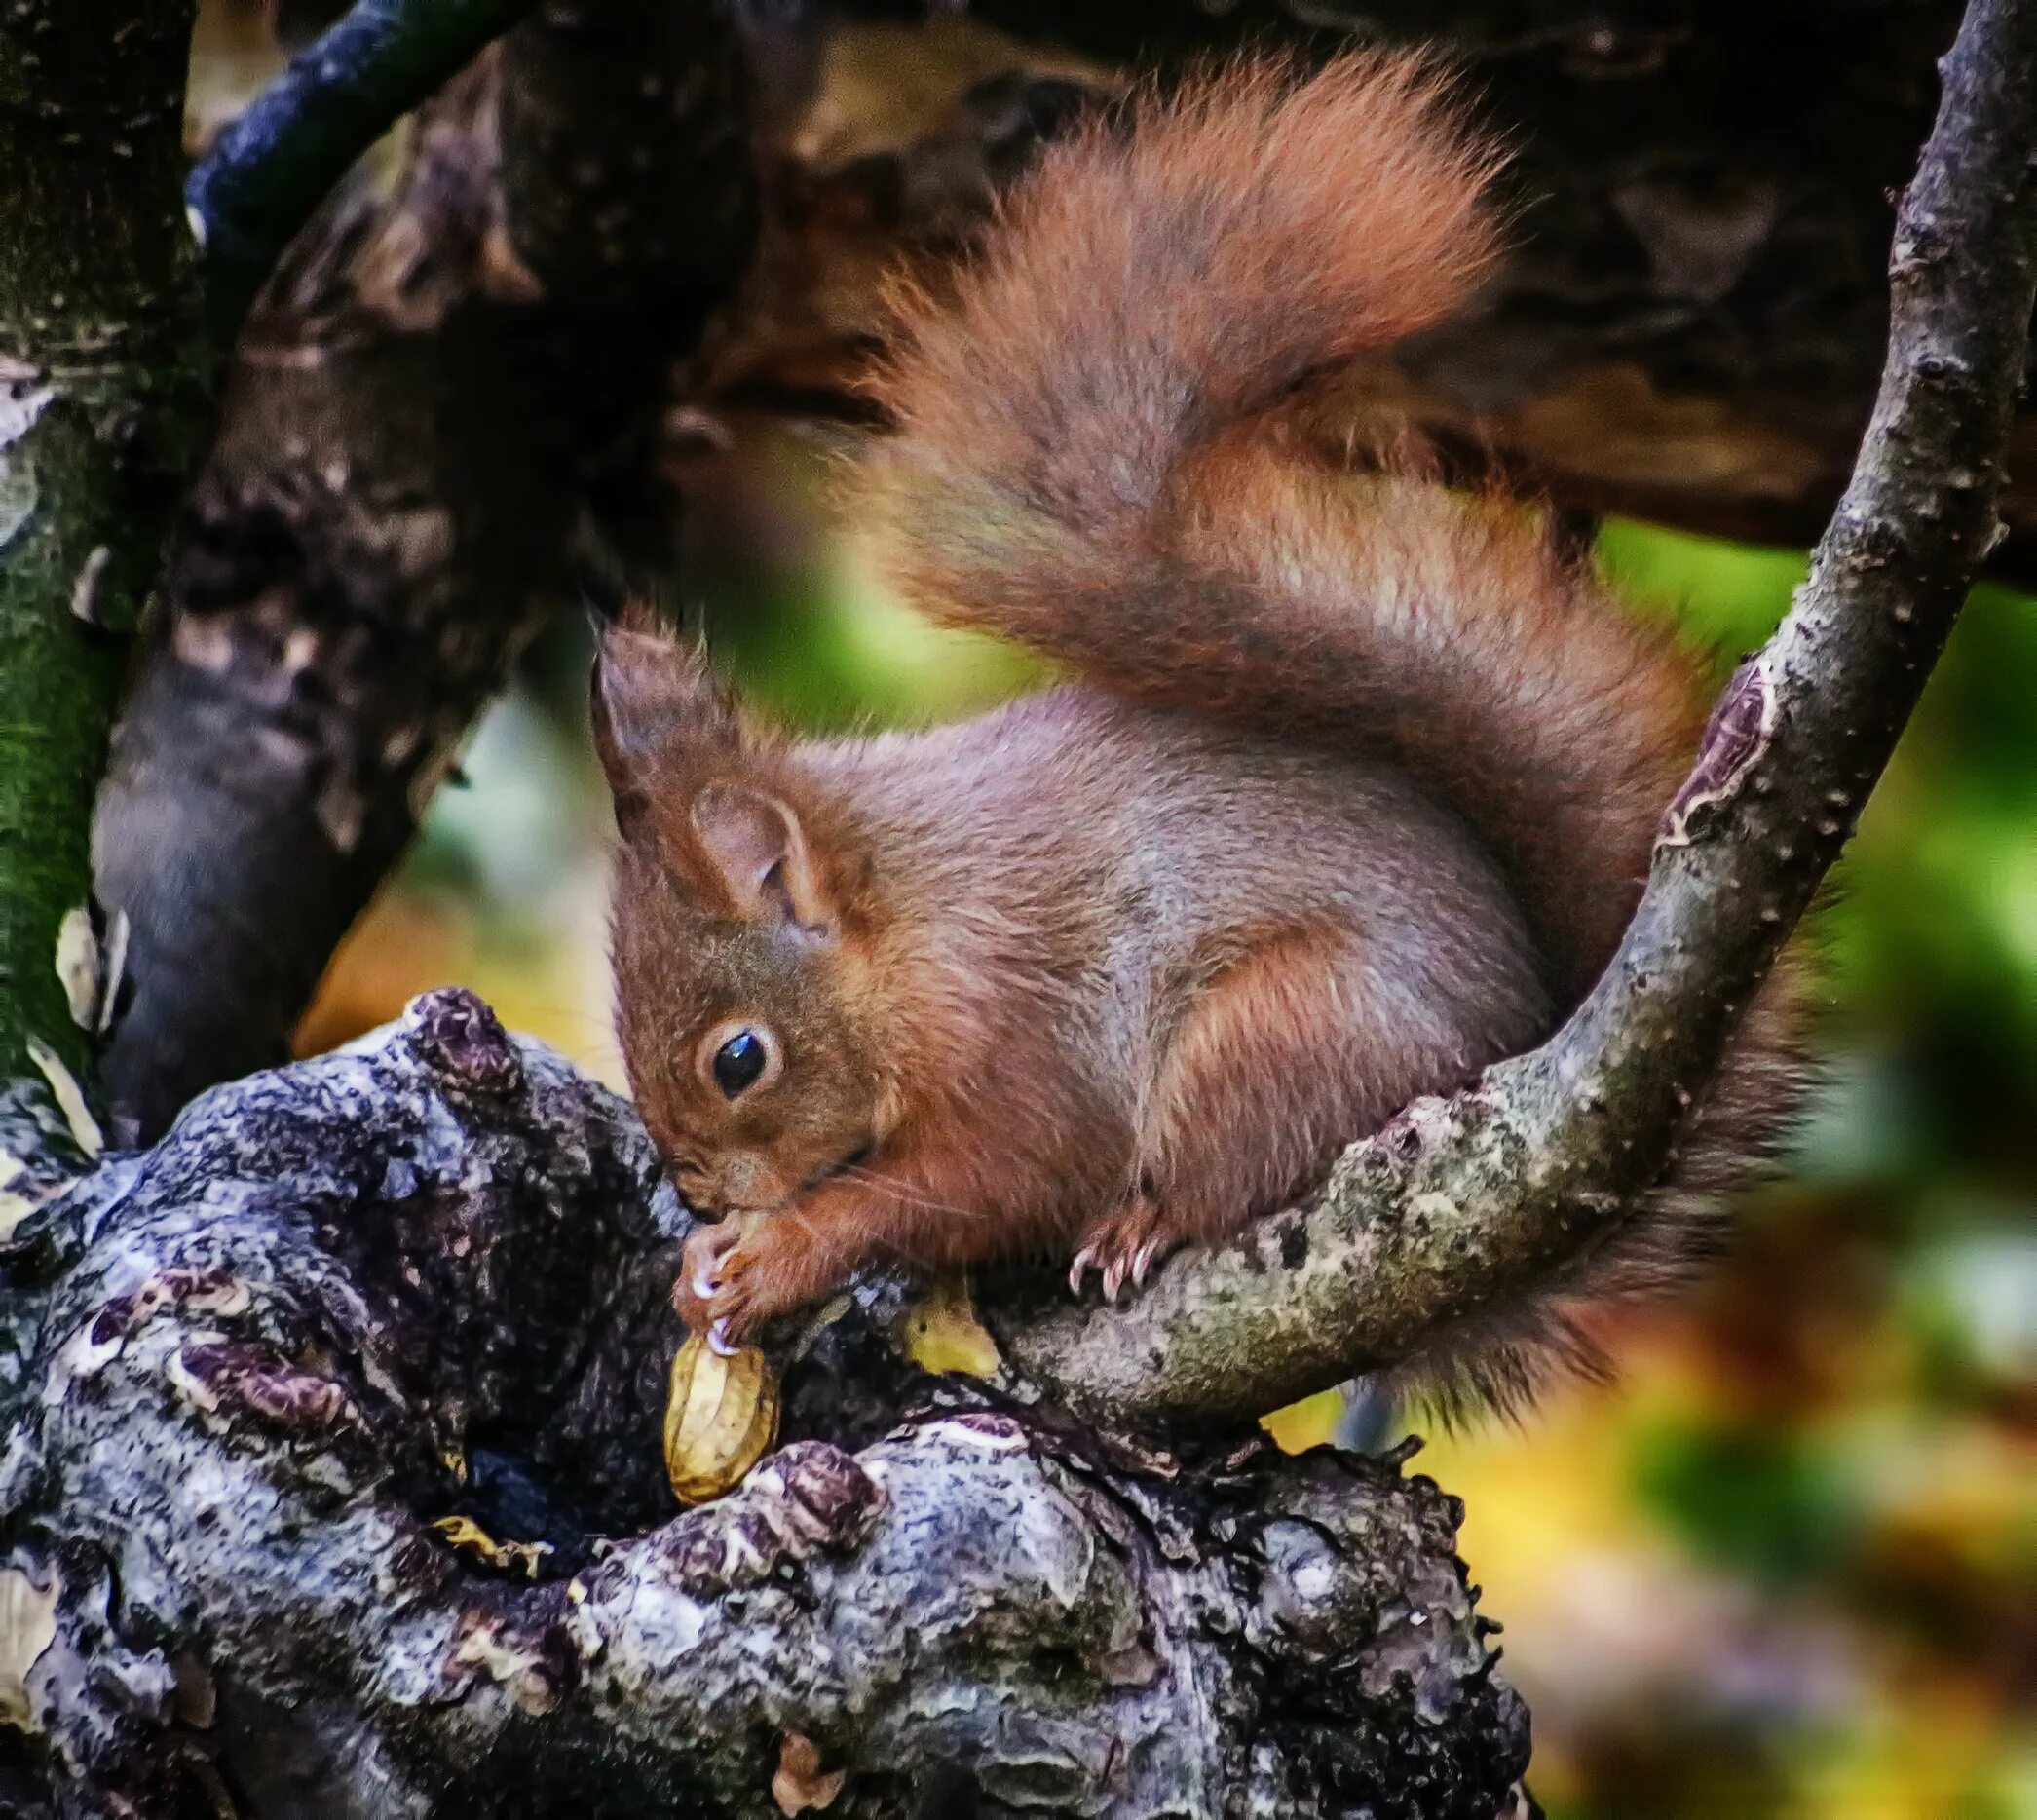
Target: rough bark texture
[
  {"x": 429, "y": 1277},
  {"x": 1460, "y": 1205},
  {"x": 420, "y": 410},
  {"x": 96, "y": 407}
]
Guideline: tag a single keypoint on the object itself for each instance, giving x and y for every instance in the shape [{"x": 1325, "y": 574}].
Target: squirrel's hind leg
[{"x": 1275, "y": 1065}]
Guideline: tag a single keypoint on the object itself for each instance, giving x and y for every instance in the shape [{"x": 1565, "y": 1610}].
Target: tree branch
[
  {"x": 428, "y": 1278},
  {"x": 269, "y": 170},
  {"x": 99, "y": 403},
  {"x": 1462, "y": 1203}
]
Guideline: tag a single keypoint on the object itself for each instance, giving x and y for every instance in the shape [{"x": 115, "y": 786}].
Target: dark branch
[
  {"x": 1464, "y": 1203},
  {"x": 1689, "y": 324},
  {"x": 269, "y": 170},
  {"x": 434, "y": 390}
]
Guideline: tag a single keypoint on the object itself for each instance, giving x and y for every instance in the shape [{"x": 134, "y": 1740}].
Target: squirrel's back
[
  {"x": 1103, "y": 451},
  {"x": 1099, "y": 453}
]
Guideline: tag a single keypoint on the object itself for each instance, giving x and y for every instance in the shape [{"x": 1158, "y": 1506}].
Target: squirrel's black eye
[{"x": 739, "y": 1061}]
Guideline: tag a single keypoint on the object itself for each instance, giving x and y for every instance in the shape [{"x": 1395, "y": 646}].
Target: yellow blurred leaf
[
  {"x": 941, "y": 1333},
  {"x": 464, "y": 1533},
  {"x": 1305, "y": 1425}
]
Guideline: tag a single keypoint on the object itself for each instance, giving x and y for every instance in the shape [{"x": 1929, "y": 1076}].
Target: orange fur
[{"x": 1353, "y": 796}]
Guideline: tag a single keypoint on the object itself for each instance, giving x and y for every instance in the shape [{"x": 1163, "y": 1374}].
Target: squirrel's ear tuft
[
  {"x": 756, "y": 846},
  {"x": 649, "y": 693}
]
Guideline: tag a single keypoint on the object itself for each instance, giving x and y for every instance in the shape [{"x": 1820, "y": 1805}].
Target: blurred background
[{"x": 1786, "y": 1565}]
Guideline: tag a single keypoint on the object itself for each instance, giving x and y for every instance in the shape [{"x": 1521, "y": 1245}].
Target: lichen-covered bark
[
  {"x": 429, "y": 1277},
  {"x": 1463, "y": 1204},
  {"x": 97, "y": 406},
  {"x": 429, "y": 399}
]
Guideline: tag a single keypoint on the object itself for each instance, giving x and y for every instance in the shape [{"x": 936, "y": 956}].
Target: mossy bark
[{"x": 98, "y": 399}]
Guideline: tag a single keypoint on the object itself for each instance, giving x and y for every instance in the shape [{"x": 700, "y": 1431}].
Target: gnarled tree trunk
[{"x": 428, "y": 1278}]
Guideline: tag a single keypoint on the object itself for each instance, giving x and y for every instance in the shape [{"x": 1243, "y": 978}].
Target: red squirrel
[{"x": 1351, "y": 792}]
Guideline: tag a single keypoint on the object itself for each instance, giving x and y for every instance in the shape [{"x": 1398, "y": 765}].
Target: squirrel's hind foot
[{"x": 1124, "y": 1246}]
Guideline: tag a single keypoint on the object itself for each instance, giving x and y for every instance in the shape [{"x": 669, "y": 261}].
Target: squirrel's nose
[{"x": 697, "y": 1193}]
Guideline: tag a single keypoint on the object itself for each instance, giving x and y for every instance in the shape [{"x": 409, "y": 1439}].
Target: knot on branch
[
  {"x": 233, "y": 1378},
  {"x": 807, "y": 1500},
  {"x": 456, "y": 1036},
  {"x": 1736, "y": 739},
  {"x": 818, "y": 1497}
]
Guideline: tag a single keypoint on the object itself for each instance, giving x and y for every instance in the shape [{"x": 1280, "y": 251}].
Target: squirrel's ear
[
  {"x": 756, "y": 845},
  {"x": 648, "y": 688}
]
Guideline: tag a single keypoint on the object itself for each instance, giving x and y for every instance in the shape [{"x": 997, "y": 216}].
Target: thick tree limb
[
  {"x": 429, "y": 1277},
  {"x": 1463, "y": 1202},
  {"x": 271, "y": 170},
  {"x": 98, "y": 406},
  {"x": 417, "y": 416}
]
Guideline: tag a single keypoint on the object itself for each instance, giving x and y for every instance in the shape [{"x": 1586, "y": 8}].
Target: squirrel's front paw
[
  {"x": 1124, "y": 1246},
  {"x": 732, "y": 1280},
  {"x": 703, "y": 1273}
]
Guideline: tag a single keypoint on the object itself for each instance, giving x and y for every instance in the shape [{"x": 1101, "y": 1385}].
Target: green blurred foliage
[
  {"x": 1857, "y": 1441},
  {"x": 823, "y": 650}
]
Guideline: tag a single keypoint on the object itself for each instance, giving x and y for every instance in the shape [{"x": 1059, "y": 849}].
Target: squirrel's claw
[
  {"x": 718, "y": 1339},
  {"x": 707, "y": 1266},
  {"x": 1143, "y": 1263},
  {"x": 1085, "y": 1261},
  {"x": 1125, "y": 1249}
]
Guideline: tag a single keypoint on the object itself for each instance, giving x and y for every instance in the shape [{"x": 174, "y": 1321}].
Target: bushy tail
[
  {"x": 1094, "y": 457},
  {"x": 1100, "y": 454}
]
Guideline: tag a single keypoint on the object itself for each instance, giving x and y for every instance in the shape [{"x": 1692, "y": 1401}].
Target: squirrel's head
[{"x": 734, "y": 951}]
